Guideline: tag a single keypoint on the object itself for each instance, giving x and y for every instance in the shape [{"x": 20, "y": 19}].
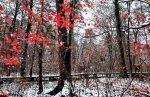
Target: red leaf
[
  {"x": 57, "y": 19},
  {"x": 75, "y": 18},
  {"x": 4, "y": 93},
  {"x": 6, "y": 30},
  {"x": 53, "y": 12},
  {"x": 23, "y": 6},
  {"x": 8, "y": 56},
  {"x": 42, "y": 0},
  {"x": 1, "y": 18},
  {"x": 15, "y": 60},
  {"x": 143, "y": 18},
  {"x": 86, "y": 32},
  {"x": 39, "y": 20},
  {"x": 45, "y": 41},
  {"x": 15, "y": 42},
  {"x": 13, "y": 34},
  {"x": 1, "y": 56},
  {"x": 13, "y": 49},
  {"x": 7, "y": 39},
  {"x": 50, "y": 17},
  {"x": 1, "y": 8},
  {"x": 59, "y": 44},
  {"x": 101, "y": 2},
  {"x": 30, "y": 41},
  {"x": 4, "y": 52},
  {"x": 11, "y": 61},
  {"x": 137, "y": 52},
  {"x": 8, "y": 20}
]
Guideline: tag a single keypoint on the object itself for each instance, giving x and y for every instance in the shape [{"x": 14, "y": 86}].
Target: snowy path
[{"x": 102, "y": 87}]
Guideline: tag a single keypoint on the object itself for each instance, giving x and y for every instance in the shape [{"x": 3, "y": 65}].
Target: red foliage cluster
[
  {"x": 11, "y": 61},
  {"x": 13, "y": 39},
  {"x": 33, "y": 38}
]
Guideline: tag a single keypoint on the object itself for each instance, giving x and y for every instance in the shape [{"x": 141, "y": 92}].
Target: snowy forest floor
[{"x": 101, "y": 87}]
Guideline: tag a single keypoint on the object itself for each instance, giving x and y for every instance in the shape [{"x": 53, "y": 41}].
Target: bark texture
[
  {"x": 23, "y": 64},
  {"x": 64, "y": 53},
  {"x": 123, "y": 70}
]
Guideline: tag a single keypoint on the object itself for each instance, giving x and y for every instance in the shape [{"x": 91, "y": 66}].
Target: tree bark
[
  {"x": 23, "y": 64},
  {"x": 128, "y": 42},
  {"x": 123, "y": 71},
  {"x": 32, "y": 62},
  {"x": 15, "y": 17},
  {"x": 40, "y": 53},
  {"x": 64, "y": 53}
]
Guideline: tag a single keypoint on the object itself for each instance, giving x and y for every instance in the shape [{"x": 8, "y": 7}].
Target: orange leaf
[
  {"x": 45, "y": 31},
  {"x": 39, "y": 20},
  {"x": 77, "y": 3},
  {"x": 95, "y": 24},
  {"x": 15, "y": 60},
  {"x": 4, "y": 93}
]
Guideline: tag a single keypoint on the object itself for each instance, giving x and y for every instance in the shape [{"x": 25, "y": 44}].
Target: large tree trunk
[
  {"x": 40, "y": 53},
  {"x": 123, "y": 71},
  {"x": 12, "y": 29},
  {"x": 32, "y": 62},
  {"x": 23, "y": 64},
  {"x": 64, "y": 54}
]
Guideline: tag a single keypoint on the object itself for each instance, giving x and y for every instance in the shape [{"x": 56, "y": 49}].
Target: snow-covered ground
[{"x": 102, "y": 87}]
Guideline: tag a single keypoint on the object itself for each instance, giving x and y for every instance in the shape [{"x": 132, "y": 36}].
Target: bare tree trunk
[
  {"x": 15, "y": 17},
  {"x": 23, "y": 64},
  {"x": 32, "y": 62},
  {"x": 40, "y": 53},
  {"x": 123, "y": 71},
  {"x": 128, "y": 41}
]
